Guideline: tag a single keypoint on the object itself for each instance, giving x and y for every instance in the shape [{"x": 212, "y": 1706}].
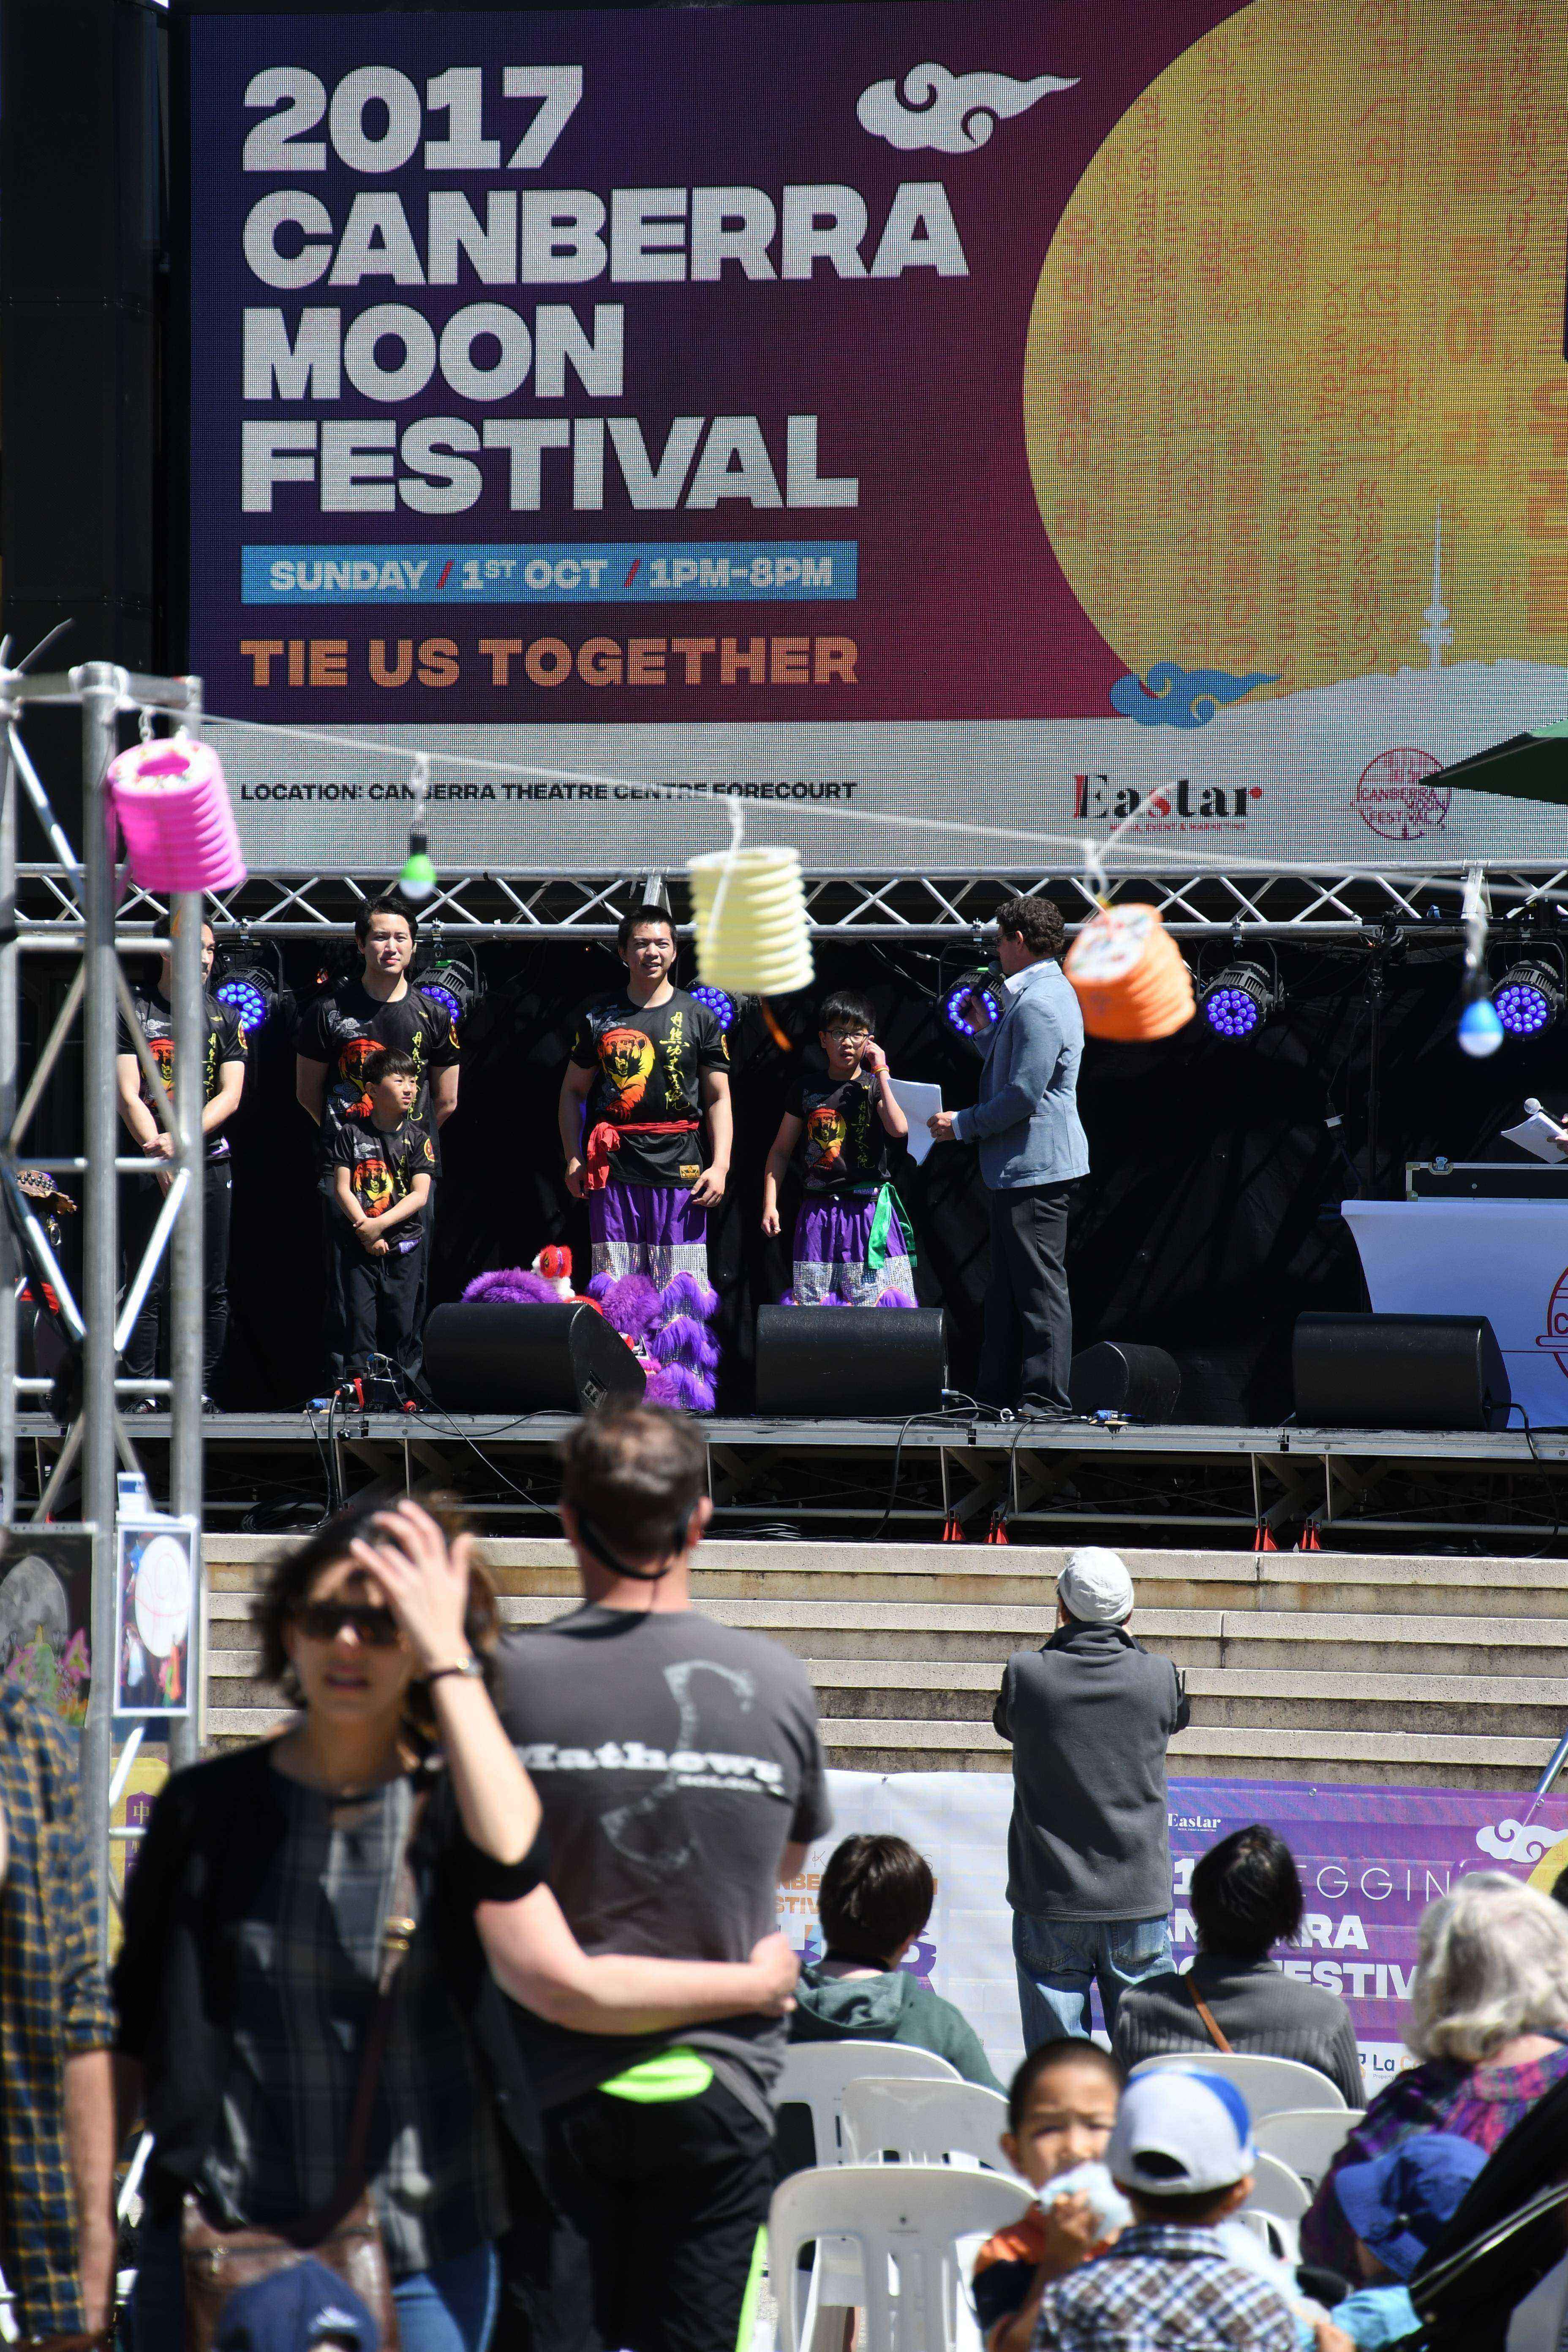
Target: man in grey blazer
[{"x": 1033, "y": 1150}]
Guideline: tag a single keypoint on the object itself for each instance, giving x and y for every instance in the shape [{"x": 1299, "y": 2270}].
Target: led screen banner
[{"x": 1023, "y": 415}]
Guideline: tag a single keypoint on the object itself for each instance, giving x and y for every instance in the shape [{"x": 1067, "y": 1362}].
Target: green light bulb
[{"x": 417, "y": 879}]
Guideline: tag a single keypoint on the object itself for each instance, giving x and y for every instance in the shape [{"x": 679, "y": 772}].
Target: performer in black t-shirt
[
  {"x": 647, "y": 1065},
  {"x": 223, "y": 1083},
  {"x": 381, "y": 1163},
  {"x": 850, "y": 1241},
  {"x": 380, "y": 1007}
]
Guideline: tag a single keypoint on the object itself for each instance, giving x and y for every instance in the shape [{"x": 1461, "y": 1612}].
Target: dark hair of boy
[
  {"x": 390, "y": 1062},
  {"x": 638, "y": 917},
  {"x": 389, "y": 903},
  {"x": 1246, "y": 1895},
  {"x": 636, "y": 1473},
  {"x": 846, "y": 1008},
  {"x": 1067, "y": 2049},
  {"x": 1036, "y": 922},
  {"x": 876, "y": 1895}
]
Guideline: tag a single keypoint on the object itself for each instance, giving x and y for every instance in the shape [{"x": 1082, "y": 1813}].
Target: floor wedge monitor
[
  {"x": 1399, "y": 1372},
  {"x": 488, "y": 1355},
  {"x": 1124, "y": 1377},
  {"x": 860, "y": 1363}
]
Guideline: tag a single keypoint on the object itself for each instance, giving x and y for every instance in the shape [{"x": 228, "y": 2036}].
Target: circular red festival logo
[
  {"x": 1395, "y": 798},
  {"x": 1554, "y": 1338}
]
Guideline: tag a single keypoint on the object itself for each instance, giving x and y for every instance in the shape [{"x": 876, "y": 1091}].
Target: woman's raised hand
[{"x": 425, "y": 1578}]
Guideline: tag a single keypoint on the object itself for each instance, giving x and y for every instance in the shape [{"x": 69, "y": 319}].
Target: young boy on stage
[
  {"x": 850, "y": 1243},
  {"x": 380, "y": 1161},
  {"x": 647, "y": 1065}
]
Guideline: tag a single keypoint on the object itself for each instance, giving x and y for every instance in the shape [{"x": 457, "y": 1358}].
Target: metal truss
[{"x": 1318, "y": 903}]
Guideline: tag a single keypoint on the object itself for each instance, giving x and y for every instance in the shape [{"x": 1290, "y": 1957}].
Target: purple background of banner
[{"x": 963, "y": 610}]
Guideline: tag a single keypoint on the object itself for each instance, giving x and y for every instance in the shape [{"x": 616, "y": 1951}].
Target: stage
[{"x": 1054, "y": 1481}]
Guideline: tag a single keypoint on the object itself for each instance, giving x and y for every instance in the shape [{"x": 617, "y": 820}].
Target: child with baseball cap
[{"x": 1182, "y": 2152}]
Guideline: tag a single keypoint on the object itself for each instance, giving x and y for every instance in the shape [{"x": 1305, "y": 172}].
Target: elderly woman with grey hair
[{"x": 1489, "y": 2029}]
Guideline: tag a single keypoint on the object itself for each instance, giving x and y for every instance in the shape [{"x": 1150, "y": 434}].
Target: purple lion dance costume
[{"x": 667, "y": 1329}]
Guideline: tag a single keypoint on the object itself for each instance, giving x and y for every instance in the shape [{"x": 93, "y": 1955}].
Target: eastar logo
[{"x": 1177, "y": 806}]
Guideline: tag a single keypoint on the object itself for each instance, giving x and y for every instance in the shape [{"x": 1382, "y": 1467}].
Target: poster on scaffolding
[
  {"x": 892, "y": 416},
  {"x": 155, "y": 1594}
]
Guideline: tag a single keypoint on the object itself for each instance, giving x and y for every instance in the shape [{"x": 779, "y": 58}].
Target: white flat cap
[{"x": 1095, "y": 1588}]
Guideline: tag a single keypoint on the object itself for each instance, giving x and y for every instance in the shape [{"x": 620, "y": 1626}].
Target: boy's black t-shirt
[
  {"x": 226, "y": 1042},
  {"x": 844, "y": 1145},
  {"x": 348, "y": 1025},
  {"x": 382, "y": 1163},
  {"x": 648, "y": 1061}
]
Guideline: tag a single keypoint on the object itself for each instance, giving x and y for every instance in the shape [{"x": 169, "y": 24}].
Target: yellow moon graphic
[{"x": 1310, "y": 289}]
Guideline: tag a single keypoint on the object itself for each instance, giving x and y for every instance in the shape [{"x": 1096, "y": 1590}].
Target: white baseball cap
[
  {"x": 1180, "y": 2132},
  {"x": 1095, "y": 1588}
]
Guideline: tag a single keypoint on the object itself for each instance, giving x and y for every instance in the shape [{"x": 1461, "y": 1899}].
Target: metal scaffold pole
[
  {"x": 10, "y": 1041},
  {"x": 99, "y": 685},
  {"x": 186, "y": 1293}
]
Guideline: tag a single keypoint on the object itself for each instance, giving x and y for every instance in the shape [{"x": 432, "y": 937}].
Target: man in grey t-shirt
[
  {"x": 680, "y": 1770},
  {"x": 1088, "y": 1851}
]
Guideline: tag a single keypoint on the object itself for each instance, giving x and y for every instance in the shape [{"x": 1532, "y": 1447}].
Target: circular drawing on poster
[
  {"x": 162, "y": 1594},
  {"x": 1395, "y": 798}
]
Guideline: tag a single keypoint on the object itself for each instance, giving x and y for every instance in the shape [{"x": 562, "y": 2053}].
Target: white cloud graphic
[
  {"x": 955, "y": 113},
  {"x": 1511, "y": 1841}
]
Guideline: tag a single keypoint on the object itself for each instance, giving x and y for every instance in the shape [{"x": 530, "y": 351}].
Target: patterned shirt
[
  {"x": 383, "y": 1163},
  {"x": 54, "y": 2004},
  {"x": 1475, "y": 2103},
  {"x": 1161, "y": 2288},
  {"x": 306, "y": 1965}
]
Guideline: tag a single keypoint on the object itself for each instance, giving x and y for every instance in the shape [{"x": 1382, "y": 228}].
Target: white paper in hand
[
  {"x": 918, "y": 1104},
  {"x": 1537, "y": 1134}
]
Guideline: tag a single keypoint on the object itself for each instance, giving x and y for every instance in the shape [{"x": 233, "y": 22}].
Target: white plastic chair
[
  {"x": 912, "y": 2216},
  {"x": 1277, "y": 2189},
  {"x": 1269, "y": 2086},
  {"x": 922, "y": 2122},
  {"x": 815, "y": 2073},
  {"x": 1306, "y": 2139}
]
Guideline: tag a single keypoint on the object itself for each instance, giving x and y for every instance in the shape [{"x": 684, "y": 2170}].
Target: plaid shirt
[
  {"x": 1163, "y": 2289},
  {"x": 53, "y": 2003}
]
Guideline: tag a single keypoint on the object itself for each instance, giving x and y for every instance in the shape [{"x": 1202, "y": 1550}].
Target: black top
[
  {"x": 1258, "y": 2007},
  {"x": 226, "y": 1042},
  {"x": 1089, "y": 1716},
  {"x": 348, "y": 1025},
  {"x": 382, "y": 1163},
  {"x": 648, "y": 1061},
  {"x": 213, "y": 1846},
  {"x": 843, "y": 1144}
]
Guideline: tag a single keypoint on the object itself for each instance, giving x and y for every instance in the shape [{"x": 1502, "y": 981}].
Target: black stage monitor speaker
[
  {"x": 1399, "y": 1372},
  {"x": 491, "y": 1355},
  {"x": 1119, "y": 1376},
  {"x": 864, "y": 1363}
]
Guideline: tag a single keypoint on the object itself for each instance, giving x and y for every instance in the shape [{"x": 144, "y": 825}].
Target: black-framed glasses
[
  {"x": 847, "y": 1036},
  {"x": 323, "y": 1621}
]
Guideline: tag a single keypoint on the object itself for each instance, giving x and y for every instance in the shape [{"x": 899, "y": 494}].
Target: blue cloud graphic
[{"x": 1174, "y": 697}]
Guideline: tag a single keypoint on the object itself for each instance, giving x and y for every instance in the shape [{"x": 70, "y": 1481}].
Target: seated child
[
  {"x": 1182, "y": 2152},
  {"x": 874, "y": 1900},
  {"x": 850, "y": 1242},
  {"x": 1060, "y": 2110},
  {"x": 1399, "y": 2206},
  {"x": 381, "y": 1164}
]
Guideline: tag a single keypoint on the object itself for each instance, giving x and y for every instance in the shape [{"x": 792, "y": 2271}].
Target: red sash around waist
[{"x": 604, "y": 1139}]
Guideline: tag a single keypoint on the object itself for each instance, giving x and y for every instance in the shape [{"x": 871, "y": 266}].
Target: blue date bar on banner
[{"x": 652, "y": 572}]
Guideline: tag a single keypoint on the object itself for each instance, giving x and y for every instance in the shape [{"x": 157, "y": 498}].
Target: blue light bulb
[{"x": 1480, "y": 1031}]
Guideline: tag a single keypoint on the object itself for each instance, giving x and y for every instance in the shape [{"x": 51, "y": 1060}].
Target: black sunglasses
[{"x": 323, "y": 1621}]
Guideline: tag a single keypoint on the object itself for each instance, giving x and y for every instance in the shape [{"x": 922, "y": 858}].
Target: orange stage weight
[{"x": 1130, "y": 978}]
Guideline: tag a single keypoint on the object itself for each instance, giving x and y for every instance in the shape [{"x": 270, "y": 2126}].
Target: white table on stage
[{"x": 1507, "y": 1260}]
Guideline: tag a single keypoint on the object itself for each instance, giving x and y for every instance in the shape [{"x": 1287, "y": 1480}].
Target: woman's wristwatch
[{"x": 472, "y": 1669}]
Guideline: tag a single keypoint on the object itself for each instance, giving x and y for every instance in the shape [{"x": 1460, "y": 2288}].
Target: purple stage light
[
  {"x": 973, "y": 983},
  {"x": 716, "y": 1000},
  {"x": 1528, "y": 999},
  {"x": 1239, "y": 1001}
]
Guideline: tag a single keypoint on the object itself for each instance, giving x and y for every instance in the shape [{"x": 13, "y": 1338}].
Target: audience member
[
  {"x": 1182, "y": 2152},
  {"x": 874, "y": 1900},
  {"x": 1061, "y": 2108},
  {"x": 57, "y": 2114},
  {"x": 1489, "y": 2026},
  {"x": 1245, "y": 1898},
  {"x": 1088, "y": 1853},
  {"x": 260, "y": 1913},
  {"x": 1398, "y": 2206},
  {"x": 679, "y": 1763}
]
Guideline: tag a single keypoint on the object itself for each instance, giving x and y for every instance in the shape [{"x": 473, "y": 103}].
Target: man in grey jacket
[
  {"x": 1033, "y": 1150},
  {"x": 1088, "y": 1853}
]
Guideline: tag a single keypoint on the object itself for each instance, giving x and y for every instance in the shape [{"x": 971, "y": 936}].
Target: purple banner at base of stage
[{"x": 1371, "y": 1860}]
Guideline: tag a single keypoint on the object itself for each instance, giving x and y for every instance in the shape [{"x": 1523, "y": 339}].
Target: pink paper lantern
[{"x": 173, "y": 810}]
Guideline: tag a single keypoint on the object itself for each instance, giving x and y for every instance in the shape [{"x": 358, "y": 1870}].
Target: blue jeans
[
  {"x": 1059, "y": 1959},
  {"x": 451, "y": 2308}
]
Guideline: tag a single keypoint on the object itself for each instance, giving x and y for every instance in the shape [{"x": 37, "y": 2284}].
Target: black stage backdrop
[{"x": 1210, "y": 1220}]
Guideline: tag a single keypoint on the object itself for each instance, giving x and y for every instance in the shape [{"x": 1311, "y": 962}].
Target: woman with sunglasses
[{"x": 253, "y": 1933}]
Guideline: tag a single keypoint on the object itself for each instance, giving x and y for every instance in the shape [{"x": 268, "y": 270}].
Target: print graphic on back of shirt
[
  {"x": 639, "y": 1831},
  {"x": 626, "y": 1056}
]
